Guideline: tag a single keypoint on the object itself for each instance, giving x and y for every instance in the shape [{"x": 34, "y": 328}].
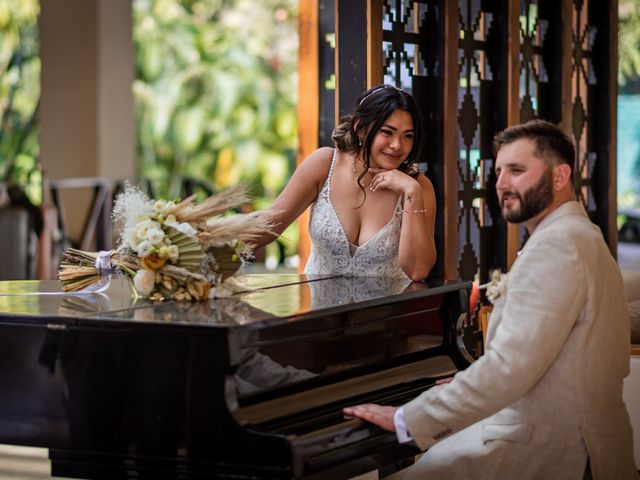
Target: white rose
[
  {"x": 158, "y": 207},
  {"x": 130, "y": 238},
  {"x": 144, "y": 282},
  {"x": 142, "y": 228},
  {"x": 167, "y": 207},
  {"x": 145, "y": 248},
  {"x": 155, "y": 236}
]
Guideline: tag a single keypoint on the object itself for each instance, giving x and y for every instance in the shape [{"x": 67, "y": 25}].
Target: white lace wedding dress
[{"x": 331, "y": 252}]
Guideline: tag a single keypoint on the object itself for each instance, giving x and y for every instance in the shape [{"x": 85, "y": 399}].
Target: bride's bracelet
[{"x": 422, "y": 210}]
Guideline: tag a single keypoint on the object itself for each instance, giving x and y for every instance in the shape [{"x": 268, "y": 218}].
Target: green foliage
[
  {"x": 215, "y": 92},
  {"x": 19, "y": 94},
  {"x": 628, "y": 42}
]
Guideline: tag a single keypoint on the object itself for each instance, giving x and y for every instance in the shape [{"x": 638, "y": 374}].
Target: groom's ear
[{"x": 561, "y": 176}]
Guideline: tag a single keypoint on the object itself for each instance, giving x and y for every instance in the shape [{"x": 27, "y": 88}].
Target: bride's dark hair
[{"x": 372, "y": 109}]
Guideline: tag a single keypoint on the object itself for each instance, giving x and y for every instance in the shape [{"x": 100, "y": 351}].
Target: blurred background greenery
[
  {"x": 215, "y": 92},
  {"x": 628, "y": 104},
  {"x": 20, "y": 95},
  {"x": 215, "y": 96}
]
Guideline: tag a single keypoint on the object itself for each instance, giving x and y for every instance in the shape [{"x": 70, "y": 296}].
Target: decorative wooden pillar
[
  {"x": 308, "y": 103},
  {"x": 592, "y": 66},
  {"x": 476, "y": 67},
  {"x": 513, "y": 106},
  {"x": 374, "y": 43},
  {"x": 449, "y": 250},
  {"x": 413, "y": 58}
]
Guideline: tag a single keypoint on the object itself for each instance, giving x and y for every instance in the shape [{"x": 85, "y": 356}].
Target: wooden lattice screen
[{"x": 476, "y": 67}]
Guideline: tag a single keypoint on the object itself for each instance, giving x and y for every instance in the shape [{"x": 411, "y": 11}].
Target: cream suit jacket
[{"x": 547, "y": 393}]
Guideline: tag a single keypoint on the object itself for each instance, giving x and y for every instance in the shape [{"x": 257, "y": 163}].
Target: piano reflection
[{"x": 250, "y": 386}]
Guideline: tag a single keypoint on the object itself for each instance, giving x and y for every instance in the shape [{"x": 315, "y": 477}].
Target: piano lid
[{"x": 261, "y": 299}]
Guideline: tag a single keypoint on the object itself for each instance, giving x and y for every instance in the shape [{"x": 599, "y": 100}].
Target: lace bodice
[{"x": 331, "y": 252}]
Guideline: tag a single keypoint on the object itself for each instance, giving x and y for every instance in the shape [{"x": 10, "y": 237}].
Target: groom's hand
[{"x": 379, "y": 415}]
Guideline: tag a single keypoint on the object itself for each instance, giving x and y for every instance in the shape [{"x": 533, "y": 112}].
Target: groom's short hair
[{"x": 550, "y": 141}]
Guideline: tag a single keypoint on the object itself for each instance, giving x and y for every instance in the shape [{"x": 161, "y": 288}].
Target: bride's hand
[{"x": 393, "y": 180}]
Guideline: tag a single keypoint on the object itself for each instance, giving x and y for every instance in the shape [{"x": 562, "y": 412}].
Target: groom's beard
[{"x": 534, "y": 200}]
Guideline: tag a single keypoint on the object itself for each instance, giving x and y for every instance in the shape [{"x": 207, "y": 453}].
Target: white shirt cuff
[{"x": 401, "y": 427}]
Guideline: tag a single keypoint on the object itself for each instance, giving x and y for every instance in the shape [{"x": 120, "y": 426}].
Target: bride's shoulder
[
  {"x": 321, "y": 156},
  {"x": 319, "y": 161}
]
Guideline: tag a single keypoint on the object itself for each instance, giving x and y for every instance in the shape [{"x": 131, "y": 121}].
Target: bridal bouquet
[{"x": 168, "y": 250}]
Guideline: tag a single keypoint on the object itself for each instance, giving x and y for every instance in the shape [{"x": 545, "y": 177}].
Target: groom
[{"x": 545, "y": 399}]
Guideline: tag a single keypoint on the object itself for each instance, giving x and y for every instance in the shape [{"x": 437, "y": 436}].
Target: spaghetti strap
[{"x": 330, "y": 175}]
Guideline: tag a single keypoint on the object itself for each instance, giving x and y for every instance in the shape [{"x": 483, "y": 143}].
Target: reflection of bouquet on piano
[{"x": 168, "y": 250}]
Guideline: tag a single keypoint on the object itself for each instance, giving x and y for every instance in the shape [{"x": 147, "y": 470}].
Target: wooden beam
[
  {"x": 567, "y": 54},
  {"x": 308, "y": 103},
  {"x": 612, "y": 82},
  {"x": 351, "y": 54},
  {"x": 374, "y": 42},
  {"x": 513, "y": 106},
  {"x": 450, "y": 141}
]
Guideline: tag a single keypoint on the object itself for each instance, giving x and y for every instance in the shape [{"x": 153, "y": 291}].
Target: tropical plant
[
  {"x": 20, "y": 95},
  {"x": 629, "y": 43},
  {"x": 215, "y": 91},
  {"x": 215, "y": 94}
]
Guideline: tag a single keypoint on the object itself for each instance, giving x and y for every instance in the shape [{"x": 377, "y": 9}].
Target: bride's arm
[
  {"x": 301, "y": 190},
  {"x": 417, "y": 252}
]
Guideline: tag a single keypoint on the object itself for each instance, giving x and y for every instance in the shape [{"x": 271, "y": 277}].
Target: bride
[{"x": 373, "y": 214}]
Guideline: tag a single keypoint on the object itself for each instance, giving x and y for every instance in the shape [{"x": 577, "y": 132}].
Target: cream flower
[
  {"x": 174, "y": 253},
  {"x": 155, "y": 236},
  {"x": 143, "y": 227},
  {"x": 163, "y": 207},
  {"x": 145, "y": 248},
  {"x": 158, "y": 206},
  {"x": 497, "y": 287},
  {"x": 130, "y": 237},
  {"x": 144, "y": 282}
]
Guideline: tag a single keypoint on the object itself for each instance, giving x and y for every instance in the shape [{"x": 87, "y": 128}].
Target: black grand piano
[{"x": 250, "y": 386}]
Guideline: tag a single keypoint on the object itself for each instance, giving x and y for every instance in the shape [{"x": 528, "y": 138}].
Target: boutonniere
[{"x": 497, "y": 286}]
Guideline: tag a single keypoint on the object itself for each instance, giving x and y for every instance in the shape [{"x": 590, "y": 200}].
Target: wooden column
[
  {"x": 513, "y": 107},
  {"x": 450, "y": 141},
  {"x": 612, "y": 83},
  {"x": 374, "y": 42},
  {"x": 308, "y": 103},
  {"x": 567, "y": 49}
]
